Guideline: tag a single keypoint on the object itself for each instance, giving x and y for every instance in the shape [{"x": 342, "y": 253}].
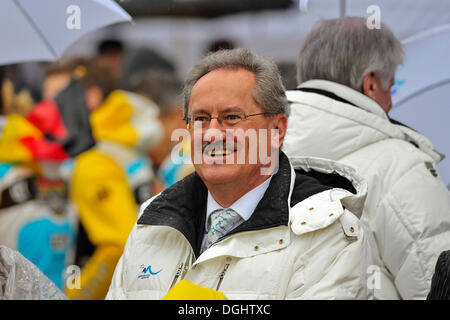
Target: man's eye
[
  {"x": 201, "y": 118},
  {"x": 232, "y": 117}
]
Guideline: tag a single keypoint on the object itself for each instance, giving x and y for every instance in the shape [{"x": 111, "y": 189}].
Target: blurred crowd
[
  {"x": 80, "y": 149},
  {"x": 86, "y": 143}
]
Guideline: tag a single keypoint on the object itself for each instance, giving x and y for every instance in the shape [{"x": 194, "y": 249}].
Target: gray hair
[
  {"x": 345, "y": 50},
  {"x": 269, "y": 91}
]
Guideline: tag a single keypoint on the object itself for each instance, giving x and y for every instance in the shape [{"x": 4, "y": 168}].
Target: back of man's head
[{"x": 344, "y": 50}]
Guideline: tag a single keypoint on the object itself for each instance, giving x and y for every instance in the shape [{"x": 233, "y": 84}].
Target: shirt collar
[{"x": 244, "y": 206}]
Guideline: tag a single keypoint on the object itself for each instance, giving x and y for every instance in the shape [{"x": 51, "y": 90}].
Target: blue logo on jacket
[{"x": 147, "y": 272}]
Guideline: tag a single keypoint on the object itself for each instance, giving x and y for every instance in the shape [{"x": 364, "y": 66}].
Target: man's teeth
[{"x": 219, "y": 152}]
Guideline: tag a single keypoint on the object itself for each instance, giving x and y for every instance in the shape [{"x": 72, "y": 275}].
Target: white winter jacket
[
  {"x": 314, "y": 248},
  {"x": 408, "y": 205}
]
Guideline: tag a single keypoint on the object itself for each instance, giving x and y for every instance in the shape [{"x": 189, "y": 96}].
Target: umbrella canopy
[
  {"x": 426, "y": 64},
  {"x": 41, "y": 30},
  {"x": 420, "y": 95}
]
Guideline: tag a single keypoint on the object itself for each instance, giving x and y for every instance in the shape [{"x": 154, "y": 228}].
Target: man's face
[{"x": 221, "y": 147}]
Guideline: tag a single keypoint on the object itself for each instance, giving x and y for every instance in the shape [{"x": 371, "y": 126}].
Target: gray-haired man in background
[{"x": 339, "y": 111}]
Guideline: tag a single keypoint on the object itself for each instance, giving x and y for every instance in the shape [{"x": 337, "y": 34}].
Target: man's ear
[
  {"x": 370, "y": 85},
  {"x": 279, "y": 124}
]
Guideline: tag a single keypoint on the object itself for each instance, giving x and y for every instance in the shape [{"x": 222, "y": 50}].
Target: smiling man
[
  {"x": 242, "y": 224},
  {"x": 227, "y": 93}
]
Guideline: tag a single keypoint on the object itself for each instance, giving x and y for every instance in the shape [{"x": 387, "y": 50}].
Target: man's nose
[
  {"x": 214, "y": 124},
  {"x": 215, "y": 132}
]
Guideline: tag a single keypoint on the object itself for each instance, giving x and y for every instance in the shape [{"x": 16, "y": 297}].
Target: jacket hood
[
  {"x": 127, "y": 118},
  {"x": 336, "y": 175},
  {"x": 320, "y": 108}
]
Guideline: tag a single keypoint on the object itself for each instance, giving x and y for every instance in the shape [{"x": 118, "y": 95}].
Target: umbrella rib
[
  {"x": 35, "y": 27},
  {"x": 419, "y": 92}
]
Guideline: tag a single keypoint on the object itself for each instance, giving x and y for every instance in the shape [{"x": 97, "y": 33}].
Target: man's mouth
[{"x": 218, "y": 149}]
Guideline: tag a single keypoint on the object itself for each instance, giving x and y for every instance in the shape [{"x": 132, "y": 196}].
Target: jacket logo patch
[{"x": 146, "y": 272}]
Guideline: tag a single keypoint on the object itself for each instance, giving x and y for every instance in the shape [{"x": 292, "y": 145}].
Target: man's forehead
[
  {"x": 238, "y": 78},
  {"x": 228, "y": 88}
]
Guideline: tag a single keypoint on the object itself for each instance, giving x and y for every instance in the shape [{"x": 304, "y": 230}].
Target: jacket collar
[
  {"x": 348, "y": 94},
  {"x": 183, "y": 206},
  {"x": 355, "y": 117},
  {"x": 376, "y": 117}
]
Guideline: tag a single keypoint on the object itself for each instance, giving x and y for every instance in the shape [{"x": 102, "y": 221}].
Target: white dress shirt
[{"x": 244, "y": 206}]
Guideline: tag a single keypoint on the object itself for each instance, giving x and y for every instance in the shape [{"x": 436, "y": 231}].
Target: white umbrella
[
  {"x": 426, "y": 65},
  {"x": 420, "y": 95},
  {"x": 40, "y": 30},
  {"x": 404, "y": 17}
]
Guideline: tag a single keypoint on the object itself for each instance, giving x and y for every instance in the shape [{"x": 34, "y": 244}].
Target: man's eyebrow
[
  {"x": 232, "y": 109},
  {"x": 227, "y": 109},
  {"x": 199, "y": 111}
]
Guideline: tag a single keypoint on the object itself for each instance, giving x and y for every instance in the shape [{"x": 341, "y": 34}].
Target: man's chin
[{"x": 217, "y": 173}]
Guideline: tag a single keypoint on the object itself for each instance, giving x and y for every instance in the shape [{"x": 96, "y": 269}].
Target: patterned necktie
[{"x": 222, "y": 222}]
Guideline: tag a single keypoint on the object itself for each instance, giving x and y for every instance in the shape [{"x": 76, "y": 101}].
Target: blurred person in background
[
  {"x": 141, "y": 59},
  {"x": 339, "y": 111},
  {"x": 220, "y": 44},
  {"x": 111, "y": 52},
  {"x": 164, "y": 89},
  {"x": 35, "y": 218},
  {"x": 15, "y": 97},
  {"x": 45, "y": 114},
  {"x": 111, "y": 179},
  {"x": 57, "y": 77}
]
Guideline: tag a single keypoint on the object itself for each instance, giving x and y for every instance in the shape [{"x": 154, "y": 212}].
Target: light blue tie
[{"x": 222, "y": 222}]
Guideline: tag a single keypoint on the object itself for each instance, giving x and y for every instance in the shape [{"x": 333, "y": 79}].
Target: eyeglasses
[{"x": 227, "y": 119}]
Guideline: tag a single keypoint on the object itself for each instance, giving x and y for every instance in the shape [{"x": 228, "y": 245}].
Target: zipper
[
  {"x": 177, "y": 275},
  {"x": 222, "y": 275},
  {"x": 185, "y": 269},
  {"x": 181, "y": 272}
]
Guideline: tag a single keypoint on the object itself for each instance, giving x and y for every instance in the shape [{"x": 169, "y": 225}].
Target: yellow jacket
[{"x": 108, "y": 183}]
